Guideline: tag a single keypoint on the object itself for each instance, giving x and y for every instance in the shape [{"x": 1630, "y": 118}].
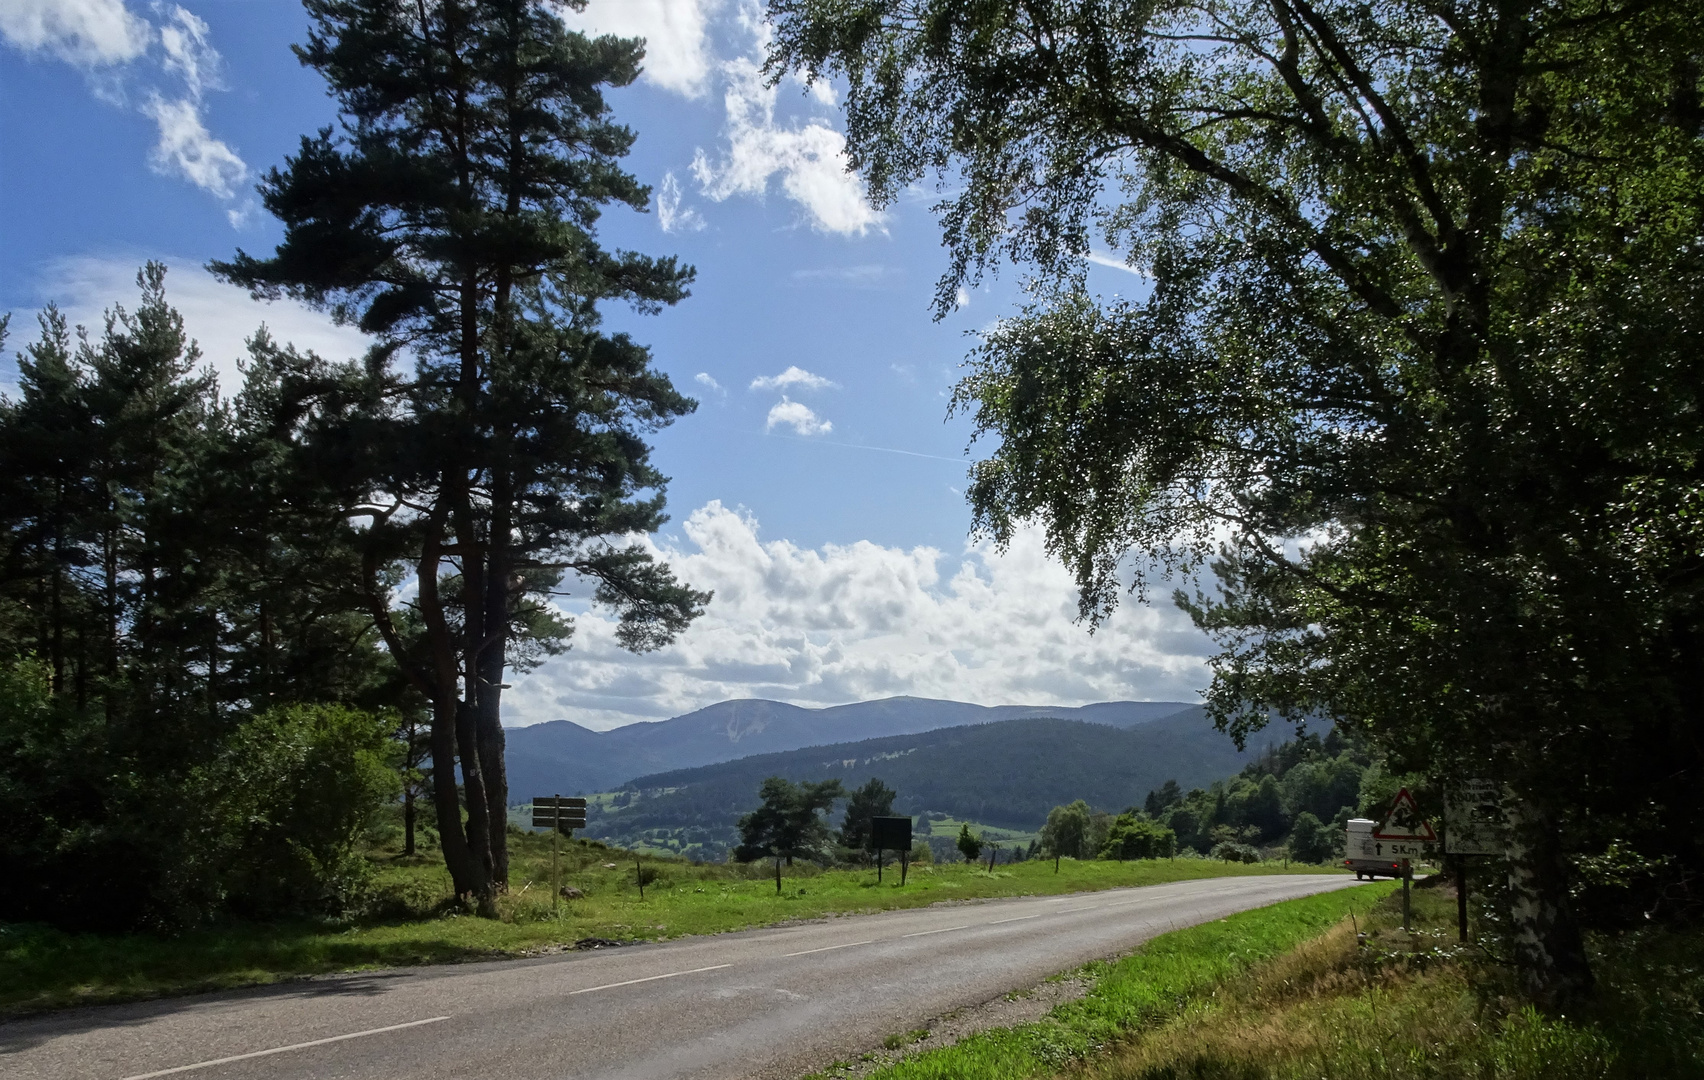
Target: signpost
[
  {"x": 1404, "y": 834},
  {"x": 559, "y": 815},
  {"x": 1473, "y": 825},
  {"x": 891, "y": 834}
]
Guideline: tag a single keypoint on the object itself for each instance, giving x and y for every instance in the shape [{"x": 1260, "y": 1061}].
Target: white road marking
[
  {"x": 651, "y": 978},
  {"x": 827, "y": 948},
  {"x": 283, "y": 1049},
  {"x": 1020, "y": 918},
  {"x": 942, "y": 930}
]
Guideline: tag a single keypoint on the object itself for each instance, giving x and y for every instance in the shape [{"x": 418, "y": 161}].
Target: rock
[{"x": 569, "y": 892}]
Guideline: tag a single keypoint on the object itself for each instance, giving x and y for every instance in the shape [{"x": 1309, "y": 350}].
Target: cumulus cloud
[
  {"x": 708, "y": 381},
  {"x": 677, "y": 53},
  {"x": 105, "y": 34},
  {"x": 808, "y": 156},
  {"x": 84, "y": 33},
  {"x": 670, "y": 214},
  {"x": 798, "y": 416},
  {"x": 858, "y": 621},
  {"x": 221, "y": 317},
  {"x": 793, "y": 377}
]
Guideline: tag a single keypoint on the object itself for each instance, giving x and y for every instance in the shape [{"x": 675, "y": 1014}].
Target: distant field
[{"x": 412, "y": 920}]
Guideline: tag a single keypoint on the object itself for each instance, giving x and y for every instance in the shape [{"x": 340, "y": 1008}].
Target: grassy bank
[
  {"x": 408, "y": 918},
  {"x": 1292, "y": 992},
  {"x": 1137, "y": 992}
]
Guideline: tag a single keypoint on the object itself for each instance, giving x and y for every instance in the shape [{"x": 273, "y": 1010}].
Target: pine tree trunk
[
  {"x": 1548, "y": 949},
  {"x": 490, "y": 665},
  {"x": 458, "y": 860}
]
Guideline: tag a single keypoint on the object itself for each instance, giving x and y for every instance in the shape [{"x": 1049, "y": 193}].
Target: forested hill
[
  {"x": 1006, "y": 773},
  {"x": 562, "y": 757}
]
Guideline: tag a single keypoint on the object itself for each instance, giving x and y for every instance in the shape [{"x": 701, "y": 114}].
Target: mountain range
[
  {"x": 561, "y": 757},
  {"x": 1009, "y": 773}
]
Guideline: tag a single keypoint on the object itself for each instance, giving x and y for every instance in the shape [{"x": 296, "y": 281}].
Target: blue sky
[{"x": 818, "y": 488}]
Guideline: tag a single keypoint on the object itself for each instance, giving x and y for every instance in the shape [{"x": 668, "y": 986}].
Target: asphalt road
[{"x": 773, "y": 1003}]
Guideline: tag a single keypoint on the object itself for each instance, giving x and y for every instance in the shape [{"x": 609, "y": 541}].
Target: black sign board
[
  {"x": 556, "y": 812},
  {"x": 890, "y": 833}
]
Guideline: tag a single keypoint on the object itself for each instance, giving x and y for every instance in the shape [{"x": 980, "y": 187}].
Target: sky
[{"x": 818, "y": 489}]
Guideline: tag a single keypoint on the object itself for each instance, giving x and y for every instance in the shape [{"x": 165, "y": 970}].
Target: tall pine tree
[{"x": 453, "y": 218}]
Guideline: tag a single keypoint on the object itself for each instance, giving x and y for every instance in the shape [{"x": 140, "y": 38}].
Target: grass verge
[
  {"x": 410, "y": 919},
  {"x": 1151, "y": 985},
  {"x": 1293, "y": 992}
]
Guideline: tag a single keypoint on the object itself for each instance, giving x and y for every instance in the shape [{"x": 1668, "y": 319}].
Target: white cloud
[
  {"x": 809, "y": 157},
  {"x": 105, "y": 34},
  {"x": 219, "y": 316},
  {"x": 187, "y": 149},
  {"x": 188, "y": 53},
  {"x": 962, "y": 297},
  {"x": 859, "y": 621},
  {"x": 794, "y": 376},
  {"x": 677, "y": 54},
  {"x": 670, "y": 214},
  {"x": 85, "y": 33},
  {"x": 708, "y": 381},
  {"x": 798, "y": 416}
]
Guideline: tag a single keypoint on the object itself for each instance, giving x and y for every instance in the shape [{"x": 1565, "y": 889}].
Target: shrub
[
  {"x": 1231, "y": 851},
  {"x": 969, "y": 846},
  {"x": 289, "y": 799}
]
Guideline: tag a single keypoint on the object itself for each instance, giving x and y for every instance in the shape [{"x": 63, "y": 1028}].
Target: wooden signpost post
[
  {"x": 1473, "y": 825},
  {"x": 559, "y": 815}
]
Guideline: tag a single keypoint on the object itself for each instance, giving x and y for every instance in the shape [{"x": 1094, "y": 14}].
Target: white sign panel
[
  {"x": 1473, "y": 818},
  {"x": 1370, "y": 848}
]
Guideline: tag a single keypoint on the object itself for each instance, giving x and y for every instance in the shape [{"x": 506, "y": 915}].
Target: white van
[{"x": 1360, "y": 852}]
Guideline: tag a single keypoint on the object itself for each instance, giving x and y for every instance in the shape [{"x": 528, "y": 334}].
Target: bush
[
  {"x": 291, "y": 796},
  {"x": 1230, "y": 851},
  {"x": 111, "y": 826},
  {"x": 969, "y": 846}
]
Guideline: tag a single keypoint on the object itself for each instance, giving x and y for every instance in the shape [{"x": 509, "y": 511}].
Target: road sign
[
  {"x": 1473, "y": 818},
  {"x": 556, "y": 812},
  {"x": 890, "y": 833},
  {"x": 1404, "y": 824}
]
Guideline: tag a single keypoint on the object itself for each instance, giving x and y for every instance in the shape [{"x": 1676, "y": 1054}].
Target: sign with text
[
  {"x": 1473, "y": 818},
  {"x": 556, "y": 812}
]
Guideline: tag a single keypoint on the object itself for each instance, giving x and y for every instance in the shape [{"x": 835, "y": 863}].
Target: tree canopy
[
  {"x": 874, "y": 799},
  {"x": 1416, "y": 360},
  {"x": 453, "y": 216},
  {"x": 791, "y": 822}
]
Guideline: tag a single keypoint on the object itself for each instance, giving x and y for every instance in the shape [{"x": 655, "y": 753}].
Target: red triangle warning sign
[{"x": 1405, "y": 823}]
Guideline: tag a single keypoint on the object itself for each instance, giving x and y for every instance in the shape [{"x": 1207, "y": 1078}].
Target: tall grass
[
  {"x": 1299, "y": 992},
  {"x": 1167, "y": 977},
  {"x": 1390, "y": 1007}
]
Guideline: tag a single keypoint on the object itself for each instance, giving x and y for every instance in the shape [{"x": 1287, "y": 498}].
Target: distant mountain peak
[{"x": 565, "y": 757}]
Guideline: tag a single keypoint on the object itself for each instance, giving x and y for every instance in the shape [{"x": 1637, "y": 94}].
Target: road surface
[{"x": 773, "y": 1003}]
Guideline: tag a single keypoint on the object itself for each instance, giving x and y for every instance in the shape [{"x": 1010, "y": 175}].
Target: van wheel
[{"x": 1359, "y": 876}]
